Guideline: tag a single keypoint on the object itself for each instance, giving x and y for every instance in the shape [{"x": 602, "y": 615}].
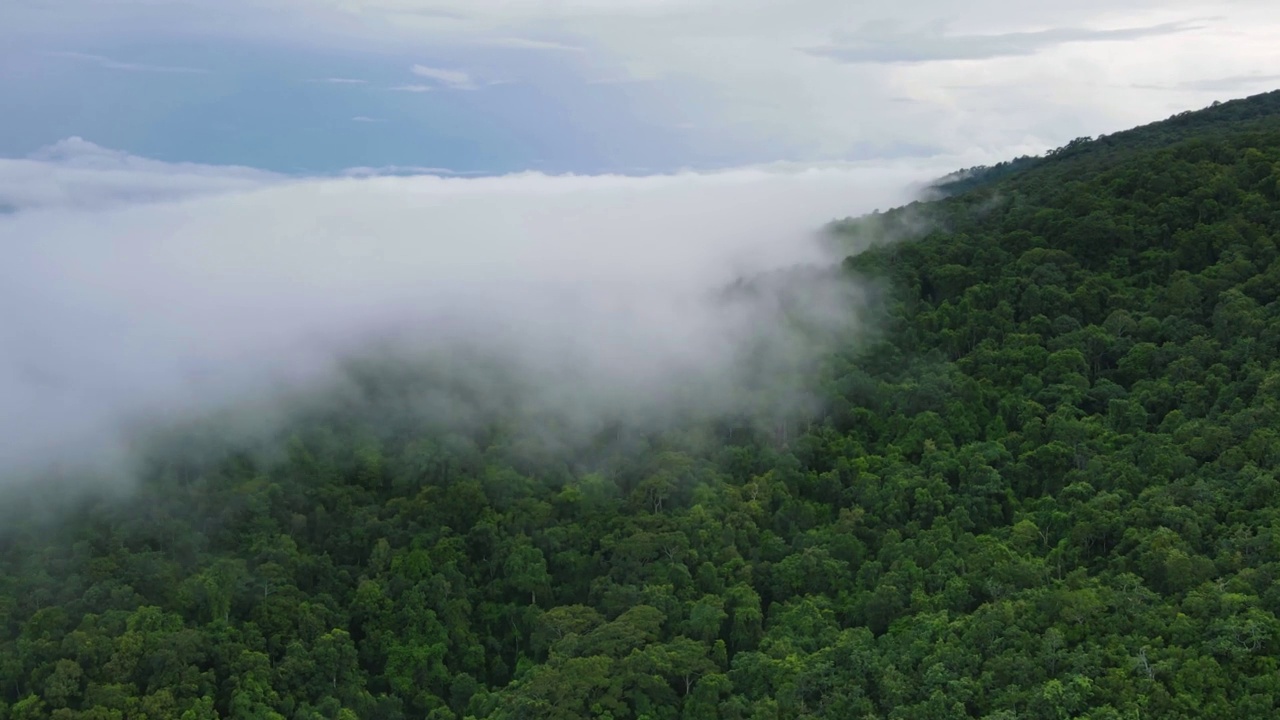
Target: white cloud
[
  {"x": 161, "y": 311},
  {"x": 403, "y": 170},
  {"x": 517, "y": 43},
  {"x": 341, "y": 81},
  {"x": 744, "y": 71},
  {"x": 111, "y": 64},
  {"x": 455, "y": 79},
  {"x": 413, "y": 88},
  {"x": 77, "y": 174},
  {"x": 875, "y": 45},
  {"x": 365, "y": 119},
  {"x": 1254, "y": 82}
]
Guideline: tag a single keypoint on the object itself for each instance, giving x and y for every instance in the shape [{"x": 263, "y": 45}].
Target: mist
[{"x": 575, "y": 299}]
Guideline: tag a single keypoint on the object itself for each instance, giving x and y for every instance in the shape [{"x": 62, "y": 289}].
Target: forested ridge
[
  {"x": 1087, "y": 154},
  {"x": 1043, "y": 487}
]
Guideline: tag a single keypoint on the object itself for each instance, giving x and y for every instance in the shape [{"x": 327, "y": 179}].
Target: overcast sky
[{"x": 610, "y": 85}]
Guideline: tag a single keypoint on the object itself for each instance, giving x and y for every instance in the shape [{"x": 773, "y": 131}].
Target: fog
[
  {"x": 597, "y": 298},
  {"x": 77, "y": 174}
]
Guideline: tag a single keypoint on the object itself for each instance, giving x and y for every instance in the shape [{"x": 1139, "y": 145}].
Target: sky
[{"x": 620, "y": 86}]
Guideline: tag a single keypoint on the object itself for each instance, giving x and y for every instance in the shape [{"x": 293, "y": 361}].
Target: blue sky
[
  {"x": 588, "y": 86},
  {"x": 293, "y": 110}
]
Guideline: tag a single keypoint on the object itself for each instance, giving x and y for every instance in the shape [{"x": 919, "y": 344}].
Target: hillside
[
  {"x": 1091, "y": 154},
  {"x": 1046, "y": 488}
]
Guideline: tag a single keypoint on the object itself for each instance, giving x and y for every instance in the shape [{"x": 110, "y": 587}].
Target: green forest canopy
[{"x": 1047, "y": 489}]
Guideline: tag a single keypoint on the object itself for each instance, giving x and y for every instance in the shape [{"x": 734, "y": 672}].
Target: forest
[{"x": 1043, "y": 488}]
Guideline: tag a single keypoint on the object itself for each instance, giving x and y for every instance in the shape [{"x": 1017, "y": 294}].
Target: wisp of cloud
[{"x": 599, "y": 298}]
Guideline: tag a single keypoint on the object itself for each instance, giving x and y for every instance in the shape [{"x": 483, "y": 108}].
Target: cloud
[
  {"x": 598, "y": 296},
  {"x": 340, "y": 81},
  {"x": 1233, "y": 83},
  {"x": 517, "y": 43},
  {"x": 366, "y": 119},
  {"x": 75, "y": 174},
  {"x": 877, "y": 44},
  {"x": 619, "y": 80},
  {"x": 455, "y": 79},
  {"x": 747, "y": 79},
  {"x": 413, "y": 88},
  {"x": 110, "y": 64},
  {"x": 402, "y": 170}
]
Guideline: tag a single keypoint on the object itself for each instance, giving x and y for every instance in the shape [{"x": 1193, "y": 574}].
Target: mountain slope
[
  {"x": 1088, "y": 154},
  {"x": 1047, "y": 489}
]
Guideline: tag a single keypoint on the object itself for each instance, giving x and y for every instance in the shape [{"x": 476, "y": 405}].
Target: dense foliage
[{"x": 1046, "y": 490}]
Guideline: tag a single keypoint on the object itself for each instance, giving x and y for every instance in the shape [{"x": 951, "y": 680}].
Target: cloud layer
[
  {"x": 75, "y": 174},
  {"x": 455, "y": 79},
  {"x": 603, "y": 294},
  {"x": 881, "y": 45}
]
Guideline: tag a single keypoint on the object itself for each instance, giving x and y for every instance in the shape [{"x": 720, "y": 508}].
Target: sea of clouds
[{"x": 141, "y": 294}]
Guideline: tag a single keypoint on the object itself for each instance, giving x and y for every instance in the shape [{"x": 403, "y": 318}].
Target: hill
[{"x": 1046, "y": 489}]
